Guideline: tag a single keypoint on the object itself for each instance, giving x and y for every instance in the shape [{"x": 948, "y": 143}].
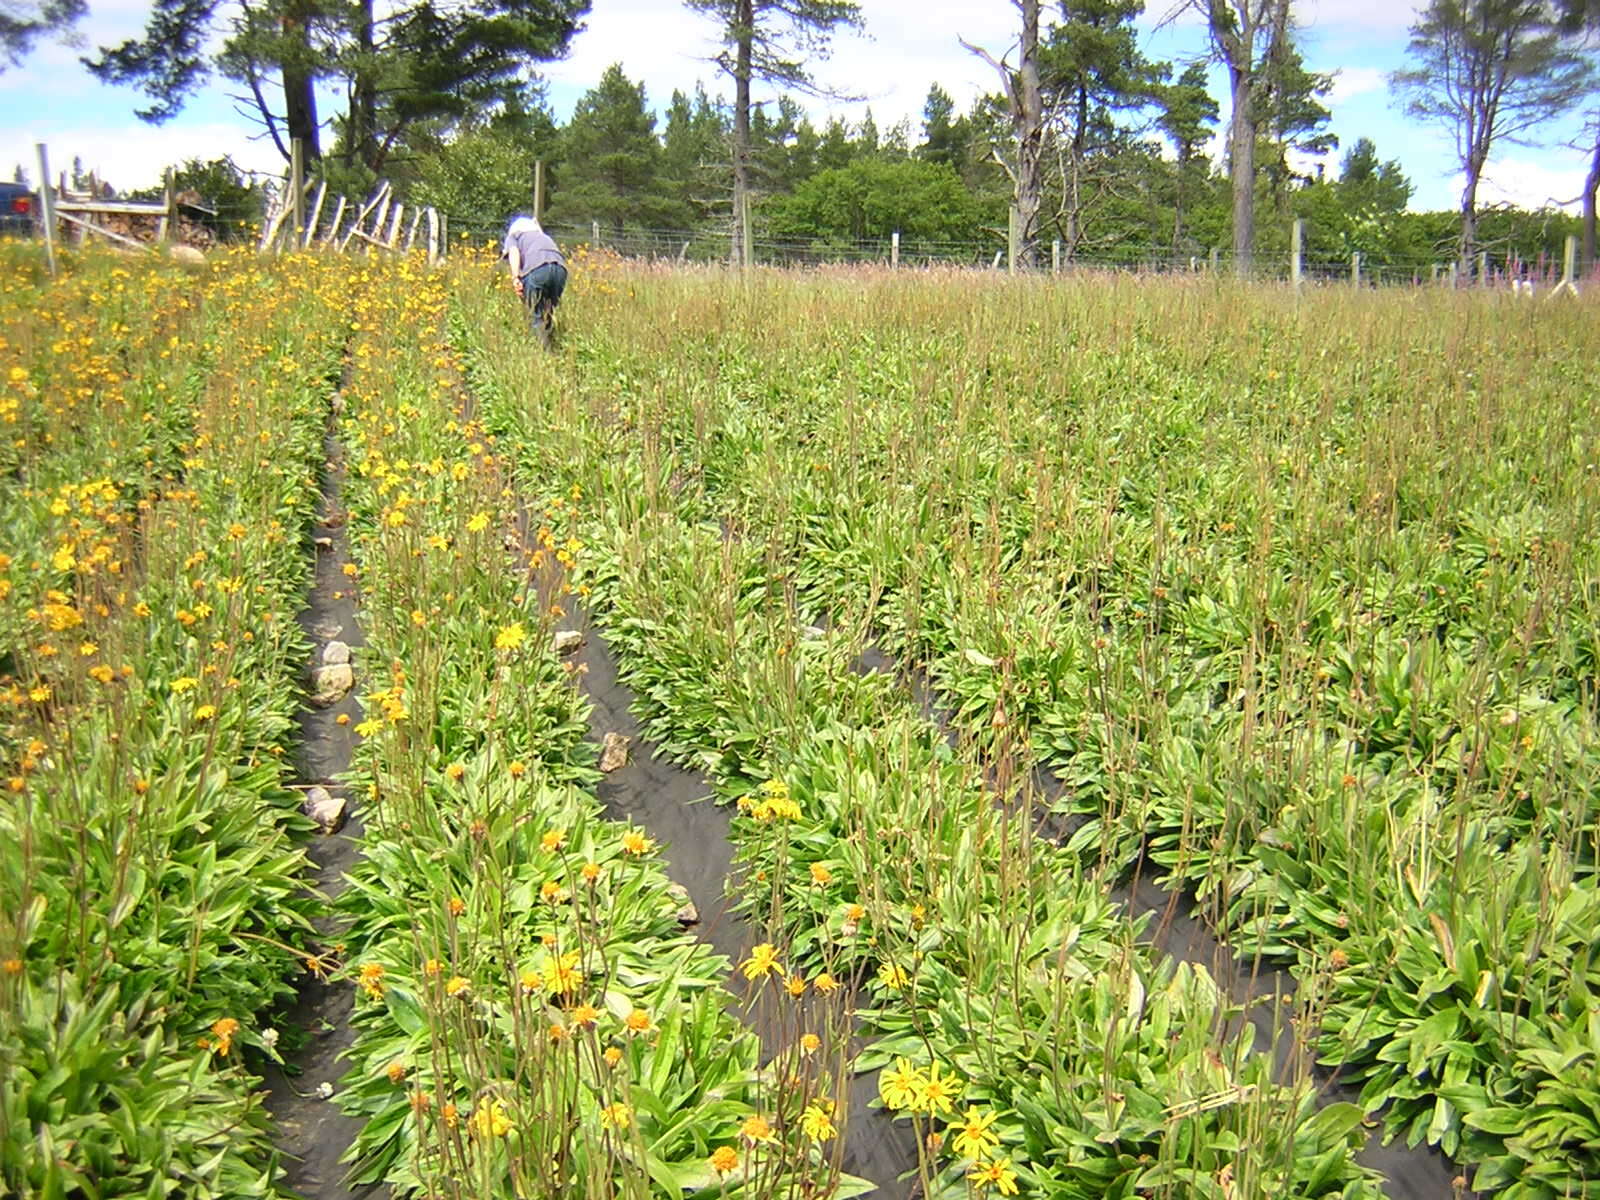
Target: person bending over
[{"x": 537, "y": 268}]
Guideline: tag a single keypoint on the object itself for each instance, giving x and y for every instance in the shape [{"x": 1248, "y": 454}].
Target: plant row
[{"x": 167, "y": 442}]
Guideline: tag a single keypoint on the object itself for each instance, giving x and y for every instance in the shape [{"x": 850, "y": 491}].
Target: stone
[
  {"x": 613, "y": 752},
  {"x": 326, "y": 809},
  {"x": 566, "y": 641},
  {"x": 187, "y": 255},
  {"x": 329, "y": 684},
  {"x": 322, "y": 543},
  {"x": 688, "y": 914},
  {"x": 335, "y": 653}
]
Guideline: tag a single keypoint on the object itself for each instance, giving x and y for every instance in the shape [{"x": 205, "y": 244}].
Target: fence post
[
  {"x": 748, "y": 250},
  {"x": 1013, "y": 238},
  {"x": 338, "y": 220},
  {"x": 297, "y": 188},
  {"x": 1455, "y": 276},
  {"x": 1055, "y": 256},
  {"x": 1483, "y": 268},
  {"x": 538, "y": 189},
  {"x": 48, "y": 204},
  {"x": 316, "y": 215},
  {"x": 168, "y": 224},
  {"x": 1355, "y": 268},
  {"x": 1297, "y": 249},
  {"x": 1214, "y": 256},
  {"x": 894, "y": 249},
  {"x": 1569, "y": 269}
]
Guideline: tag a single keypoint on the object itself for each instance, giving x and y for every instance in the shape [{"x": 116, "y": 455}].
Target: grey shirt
[{"x": 536, "y": 248}]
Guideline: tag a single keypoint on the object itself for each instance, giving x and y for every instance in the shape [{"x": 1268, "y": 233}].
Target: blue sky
[{"x": 907, "y": 44}]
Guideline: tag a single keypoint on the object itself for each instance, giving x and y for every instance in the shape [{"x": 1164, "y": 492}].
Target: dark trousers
[{"x": 547, "y": 279}]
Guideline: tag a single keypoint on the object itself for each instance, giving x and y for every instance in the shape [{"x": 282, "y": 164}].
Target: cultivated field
[{"x": 1152, "y": 726}]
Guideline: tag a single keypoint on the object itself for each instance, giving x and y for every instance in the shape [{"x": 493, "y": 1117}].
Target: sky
[{"x": 905, "y": 46}]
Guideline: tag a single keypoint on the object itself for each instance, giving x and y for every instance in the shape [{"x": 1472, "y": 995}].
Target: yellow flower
[
  {"x": 590, "y": 871},
  {"x": 396, "y": 1071},
  {"x": 585, "y": 1016},
  {"x": 892, "y": 975},
  {"x": 478, "y": 523},
  {"x": 457, "y": 985},
  {"x": 613, "y": 1055},
  {"x": 637, "y": 1022},
  {"x": 809, "y": 1043},
  {"x": 937, "y": 1093},
  {"x": 723, "y": 1159},
  {"x": 455, "y": 771},
  {"x": 974, "y": 1138},
  {"x": 225, "y": 1029},
  {"x": 511, "y": 637},
  {"x": 820, "y": 875},
  {"x": 205, "y": 712},
  {"x": 901, "y": 1087},
  {"x": 179, "y": 686},
  {"x": 490, "y": 1120},
  {"x": 616, "y": 1116},
  {"x": 531, "y": 982},
  {"x": 369, "y": 727},
  {"x": 517, "y": 770},
  {"x": 563, "y": 975},
  {"x": 370, "y": 980},
  {"x": 763, "y": 959},
  {"x": 796, "y": 985},
  {"x": 825, "y": 983},
  {"x": 553, "y": 840},
  {"x": 552, "y": 892},
  {"x": 102, "y": 673},
  {"x": 635, "y": 843},
  {"x": 756, "y": 1128},
  {"x": 456, "y": 905},
  {"x": 817, "y": 1122},
  {"x": 997, "y": 1172}
]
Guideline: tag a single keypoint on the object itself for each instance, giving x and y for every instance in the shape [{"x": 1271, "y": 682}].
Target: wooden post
[
  {"x": 1013, "y": 238},
  {"x": 1483, "y": 268},
  {"x": 444, "y": 236},
  {"x": 433, "y": 235},
  {"x": 48, "y": 204},
  {"x": 894, "y": 249},
  {"x": 395, "y": 217},
  {"x": 167, "y": 226},
  {"x": 1355, "y": 268},
  {"x": 1454, "y": 274},
  {"x": 316, "y": 214},
  {"x": 411, "y": 230},
  {"x": 297, "y": 188},
  {"x": 1055, "y": 256},
  {"x": 1215, "y": 254},
  {"x": 538, "y": 189},
  {"x": 748, "y": 251},
  {"x": 1297, "y": 251},
  {"x": 1569, "y": 269},
  {"x": 333, "y": 226}
]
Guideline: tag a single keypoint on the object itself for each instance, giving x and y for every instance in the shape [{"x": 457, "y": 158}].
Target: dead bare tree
[{"x": 1025, "y": 104}]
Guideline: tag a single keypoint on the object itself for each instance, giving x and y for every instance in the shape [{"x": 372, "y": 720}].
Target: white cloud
[
  {"x": 1380, "y": 18},
  {"x": 133, "y": 157},
  {"x": 1351, "y": 82},
  {"x": 1530, "y": 184}
]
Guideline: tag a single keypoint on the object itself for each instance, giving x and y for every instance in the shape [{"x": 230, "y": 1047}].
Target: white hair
[{"x": 525, "y": 224}]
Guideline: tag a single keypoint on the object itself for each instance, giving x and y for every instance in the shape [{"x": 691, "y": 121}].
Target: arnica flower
[
  {"x": 590, "y": 871},
  {"x": 635, "y": 843},
  {"x": 809, "y": 1044},
  {"x": 901, "y": 1087},
  {"x": 616, "y": 1116},
  {"x": 517, "y": 770},
  {"x": 457, "y": 985},
  {"x": 613, "y": 1055},
  {"x": 563, "y": 975},
  {"x": 455, "y": 771},
  {"x": 585, "y": 1016},
  {"x": 478, "y": 523},
  {"x": 937, "y": 1093},
  {"x": 820, "y": 875},
  {"x": 723, "y": 1159},
  {"x": 637, "y": 1022},
  {"x": 997, "y": 1173},
  {"x": 974, "y": 1137},
  {"x": 511, "y": 637},
  {"x": 762, "y": 961},
  {"x": 370, "y": 980},
  {"x": 552, "y": 892},
  {"x": 893, "y": 975},
  {"x": 225, "y": 1030},
  {"x": 755, "y": 1129},
  {"x": 396, "y": 1071},
  {"x": 532, "y": 982},
  {"x": 490, "y": 1120},
  {"x": 817, "y": 1121},
  {"x": 825, "y": 983},
  {"x": 553, "y": 840},
  {"x": 205, "y": 712},
  {"x": 796, "y": 986},
  {"x": 457, "y": 906}
]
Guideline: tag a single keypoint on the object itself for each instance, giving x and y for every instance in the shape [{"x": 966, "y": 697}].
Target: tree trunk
[
  {"x": 744, "y": 37},
  {"x": 362, "y": 144},
  {"x": 299, "y": 91},
  {"x": 1469, "y": 219},
  {"x": 1591, "y": 185},
  {"x": 1029, "y": 101},
  {"x": 1242, "y": 165}
]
